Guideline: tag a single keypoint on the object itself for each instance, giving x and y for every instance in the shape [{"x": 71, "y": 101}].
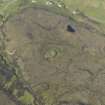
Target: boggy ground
[{"x": 62, "y": 59}]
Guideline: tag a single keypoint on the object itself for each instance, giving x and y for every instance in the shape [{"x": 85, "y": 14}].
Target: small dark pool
[{"x": 70, "y": 28}]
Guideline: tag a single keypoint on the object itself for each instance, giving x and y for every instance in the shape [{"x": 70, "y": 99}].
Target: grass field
[{"x": 92, "y": 8}]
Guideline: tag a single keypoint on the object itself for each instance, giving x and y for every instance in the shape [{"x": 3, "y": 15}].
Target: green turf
[{"x": 93, "y": 8}]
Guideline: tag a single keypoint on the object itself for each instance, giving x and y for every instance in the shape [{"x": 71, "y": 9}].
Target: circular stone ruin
[{"x": 53, "y": 49}]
